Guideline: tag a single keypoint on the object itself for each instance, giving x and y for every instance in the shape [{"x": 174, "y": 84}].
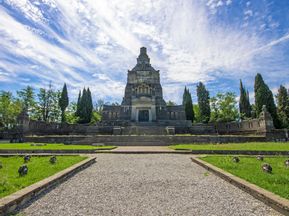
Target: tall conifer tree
[
  {"x": 184, "y": 96},
  {"x": 77, "y": 113},
  {"x": 244, "y": 102},
  {"x": 63, "y": 102},
  {"x": 264, "y": 96},
  {"x": 89, "y": 106},
  {"x": 283, "y": 106},
  {"x": 188, "y": 105},
  {"x": 203, "y": 102},
  {"x": 84, "y": 106},
  {"x": 82, "y": 110}
]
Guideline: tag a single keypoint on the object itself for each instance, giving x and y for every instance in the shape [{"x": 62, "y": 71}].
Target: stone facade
[
  {"x": 143, "y": 99},
  {"x": 101, "y": 133}
]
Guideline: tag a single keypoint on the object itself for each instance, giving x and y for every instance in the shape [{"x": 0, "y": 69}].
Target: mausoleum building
[{"x": 143, "y": 99}]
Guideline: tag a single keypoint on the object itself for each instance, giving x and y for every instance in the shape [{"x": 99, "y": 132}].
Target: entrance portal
[{"x": 143, "y": 116}]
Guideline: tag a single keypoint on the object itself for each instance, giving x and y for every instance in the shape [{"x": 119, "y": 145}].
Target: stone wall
[
  {"x": 262, "y": 126},
  {"x": 244, "y": 127},
  {"x": 141, "y": 140}
]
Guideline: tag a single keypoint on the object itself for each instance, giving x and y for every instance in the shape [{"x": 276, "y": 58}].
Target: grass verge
[
  {"x": 252, "y": 146},
  {"x": 249, "y": 168},
  {"x": 38, "y": 169},
  {"x": 54, "y": 146}
]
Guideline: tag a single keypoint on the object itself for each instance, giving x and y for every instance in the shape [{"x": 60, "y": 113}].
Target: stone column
[{"x": 22, "y": 124}]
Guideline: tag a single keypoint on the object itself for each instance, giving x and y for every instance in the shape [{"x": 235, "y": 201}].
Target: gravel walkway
[{"x": 159, "y": 184}]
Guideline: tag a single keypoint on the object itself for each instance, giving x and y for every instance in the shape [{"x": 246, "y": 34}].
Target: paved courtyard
[{"x": 146, "y": 184}]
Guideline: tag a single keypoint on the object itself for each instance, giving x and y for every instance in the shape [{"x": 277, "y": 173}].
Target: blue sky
[{"x": 93, "y": 44}]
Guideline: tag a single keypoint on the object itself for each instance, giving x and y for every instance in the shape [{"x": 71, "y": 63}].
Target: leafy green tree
[
  {"x": 27, "y": 98},
  {"x": 224, "y": 107},
  {"x": 244, "y": 102},
  {"x": 63, "y": 102},
  {"x": 47, "y": 107},
  {"x": 96, "y": 117},
  {"x": 283, "y": 106},
  {"x": 198, "y": 117},
  {"x": 188, "y": 104},
  {"x": 264, "y": 96},
  {"x": 55, "y": 111},
  {"x": 10, "y": 108},
  {"x": 203, "y": 102},
  {"x": 42, "y": 107},
  {"x": 70, "y": 113},
  {"x": 171, "y": 103}
]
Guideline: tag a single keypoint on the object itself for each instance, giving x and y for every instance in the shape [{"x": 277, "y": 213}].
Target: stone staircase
[
  {"x": 144, "y": 130},
  {"x": 141, "y": 140}
]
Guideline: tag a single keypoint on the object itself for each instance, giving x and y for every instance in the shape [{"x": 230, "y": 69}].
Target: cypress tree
[
  {"x": 184, "y": 96},
  {"x": 244, "y": 102},
  {"x": 203, "y": 102},
  {"x": 77, "y": 113},
  {"x": 63, "y": 102},
  {"x": 188, "y": 104},
  {"x": 89, "y": 106},
  {"x": 264, "y": 96},
  {"x": 82, "y": 107},
  {"x": 283, "y": 106}
]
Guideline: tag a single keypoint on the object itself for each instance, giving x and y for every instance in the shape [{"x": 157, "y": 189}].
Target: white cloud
[{"x": 93, "y": 43}]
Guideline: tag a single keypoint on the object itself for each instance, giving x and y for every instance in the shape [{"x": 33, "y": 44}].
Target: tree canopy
[
  {"x": 224, "y": 107},
  {"x": 63, "y": 102},
  {"x": 84, "y": 107},
  {"x": 264, "y": 96},
  {"x": 188, "y": 105},
  {"x": 283, "y": 106},
  {"x": 244, "y": 102},
  {"x": 203, "y": 102}
]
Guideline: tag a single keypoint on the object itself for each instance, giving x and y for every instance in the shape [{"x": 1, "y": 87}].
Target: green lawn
[
  {"x": 38, "y": 169},
  {"x": 249, "y": 168},
  {"x": 56, "y": 146},
  {"x": 262, "y": 146}
]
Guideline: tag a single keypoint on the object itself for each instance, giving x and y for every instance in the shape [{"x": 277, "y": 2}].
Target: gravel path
[{"x": 158, "y": 184}]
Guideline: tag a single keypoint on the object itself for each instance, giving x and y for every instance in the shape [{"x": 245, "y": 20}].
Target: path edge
[
  {"x": 276, "y": 202},
  {"x": 18, "y": 199}
]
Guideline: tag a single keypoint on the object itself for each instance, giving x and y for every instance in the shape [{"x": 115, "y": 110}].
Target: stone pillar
[
  {"x": 23, "y": 121},
  {"x": 265, "y": 121},
  {"x": 22, "y": 125},
  {"x": 170, "y": 130}
]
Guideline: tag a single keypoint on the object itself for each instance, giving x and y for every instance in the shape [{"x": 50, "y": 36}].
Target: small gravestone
[
  {"x": 53, "y": 160},
  {"x": 27, "y": 158},
  {"x": 267, "y": 168},
  {"x": 286, "y": 163},
  {"x": 23, "y": 170},
  {"x": 260, "y": 157},
  {"x": 236, "y": 160},
  {"x": 1, "y": 166}
]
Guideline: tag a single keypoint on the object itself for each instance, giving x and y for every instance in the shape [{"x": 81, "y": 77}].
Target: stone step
[{"x": 144, "y": 140}]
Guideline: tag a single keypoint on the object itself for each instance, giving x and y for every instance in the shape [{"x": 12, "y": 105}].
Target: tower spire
[{"x": 143, "y": 58}]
